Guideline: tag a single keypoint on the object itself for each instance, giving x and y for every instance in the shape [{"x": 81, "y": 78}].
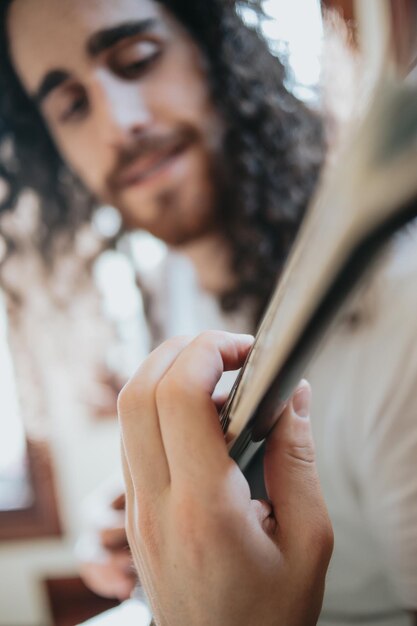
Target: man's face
[{"x": 123, "y": 90}]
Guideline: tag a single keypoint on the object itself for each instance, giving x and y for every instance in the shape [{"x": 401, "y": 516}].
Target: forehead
[{"x": 53, "y": 33}]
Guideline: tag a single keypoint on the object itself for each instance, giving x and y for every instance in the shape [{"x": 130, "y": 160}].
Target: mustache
[{"x": 149, "y": 145}]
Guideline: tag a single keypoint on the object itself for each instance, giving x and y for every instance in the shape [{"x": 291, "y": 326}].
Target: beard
[{"x": 180, "y": 211}]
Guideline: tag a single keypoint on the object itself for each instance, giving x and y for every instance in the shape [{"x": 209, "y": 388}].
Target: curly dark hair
[{"x": 273, "y": 146}]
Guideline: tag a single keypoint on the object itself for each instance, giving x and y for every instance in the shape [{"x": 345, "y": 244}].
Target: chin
[
  {"x": 168, "y": 216},
  {"x": 173, "y": 239}
]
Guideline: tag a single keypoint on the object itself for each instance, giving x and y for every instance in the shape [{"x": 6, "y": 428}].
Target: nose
[{"x": 121, "y": 109}]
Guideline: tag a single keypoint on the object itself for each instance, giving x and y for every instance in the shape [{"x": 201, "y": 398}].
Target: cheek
[
  {"x": 84, "y": 158},
  {"x": 181, "y": 86}
]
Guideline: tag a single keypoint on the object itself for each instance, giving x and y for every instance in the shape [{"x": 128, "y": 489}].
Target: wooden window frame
[
  {"x": 71, "y": 602},
  {"x": 41, "y": 518}
]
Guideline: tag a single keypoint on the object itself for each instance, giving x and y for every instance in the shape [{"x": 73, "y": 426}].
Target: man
[
  {"x": 174, "y": 112},
  {"x": 177, "y": 114},
  {"x": 154, "y": 110}
]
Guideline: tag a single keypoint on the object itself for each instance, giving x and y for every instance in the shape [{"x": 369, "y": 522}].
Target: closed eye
[
  {"x": 75, "y": 110},
  {"x": 135, "y": 69},
  {"x": 135, "y": 59}
]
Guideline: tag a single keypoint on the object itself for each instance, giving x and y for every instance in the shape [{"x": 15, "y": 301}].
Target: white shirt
[{"x": 365, "y": 427}]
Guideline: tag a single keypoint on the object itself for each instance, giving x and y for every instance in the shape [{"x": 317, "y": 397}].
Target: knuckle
[
  {"x": 128, "y": 398},
  {"x": 122, "y": 397},
  {"x": 137, "y": 390},
  {"x": 177, "y": 343},
  {"x": 171, "y": 388},
  {"x": 208, "y": 339},
  {"x": 209, "y": 336},
  {"x": 302, "y": 454},
  {"x": 217, "y": 338}
]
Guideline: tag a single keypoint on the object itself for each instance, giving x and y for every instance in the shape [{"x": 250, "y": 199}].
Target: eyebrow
[
  {"x": 108, "y": 37},
  {"x": 51, "y": 81},
  {"x": 96, "y": 44}
]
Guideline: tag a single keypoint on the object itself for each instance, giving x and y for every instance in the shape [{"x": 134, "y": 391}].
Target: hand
[
  {"x": 104, "y": 556},
  {"x": 205, "y": 552}
]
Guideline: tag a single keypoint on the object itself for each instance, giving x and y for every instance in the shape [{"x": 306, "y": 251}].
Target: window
[{"x": 27, "y": 497}]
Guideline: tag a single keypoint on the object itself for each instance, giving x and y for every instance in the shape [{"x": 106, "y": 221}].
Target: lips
[{"x": 143, "y": 168}]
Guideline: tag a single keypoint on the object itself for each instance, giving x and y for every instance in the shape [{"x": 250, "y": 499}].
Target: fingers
[
  {"x": 112, "y": 577},
  {"x": 113, "y": 538},
  {"x": 188, "y": 416},
  {"x": 118, "y": 503},
  {"x": 292, "y": 481},
  {"x": 167, "y": 415},
  {"x": 145, "y": 459}
]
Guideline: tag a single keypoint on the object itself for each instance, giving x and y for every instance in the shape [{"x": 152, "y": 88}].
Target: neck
[{"x": 211, "y": 258}]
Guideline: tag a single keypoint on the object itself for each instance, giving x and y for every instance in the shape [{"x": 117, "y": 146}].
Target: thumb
[{"x": 291, "y": 477}]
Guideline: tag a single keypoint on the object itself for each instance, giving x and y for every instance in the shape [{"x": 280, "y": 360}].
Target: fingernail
[{"x": 301, "y": 401}]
